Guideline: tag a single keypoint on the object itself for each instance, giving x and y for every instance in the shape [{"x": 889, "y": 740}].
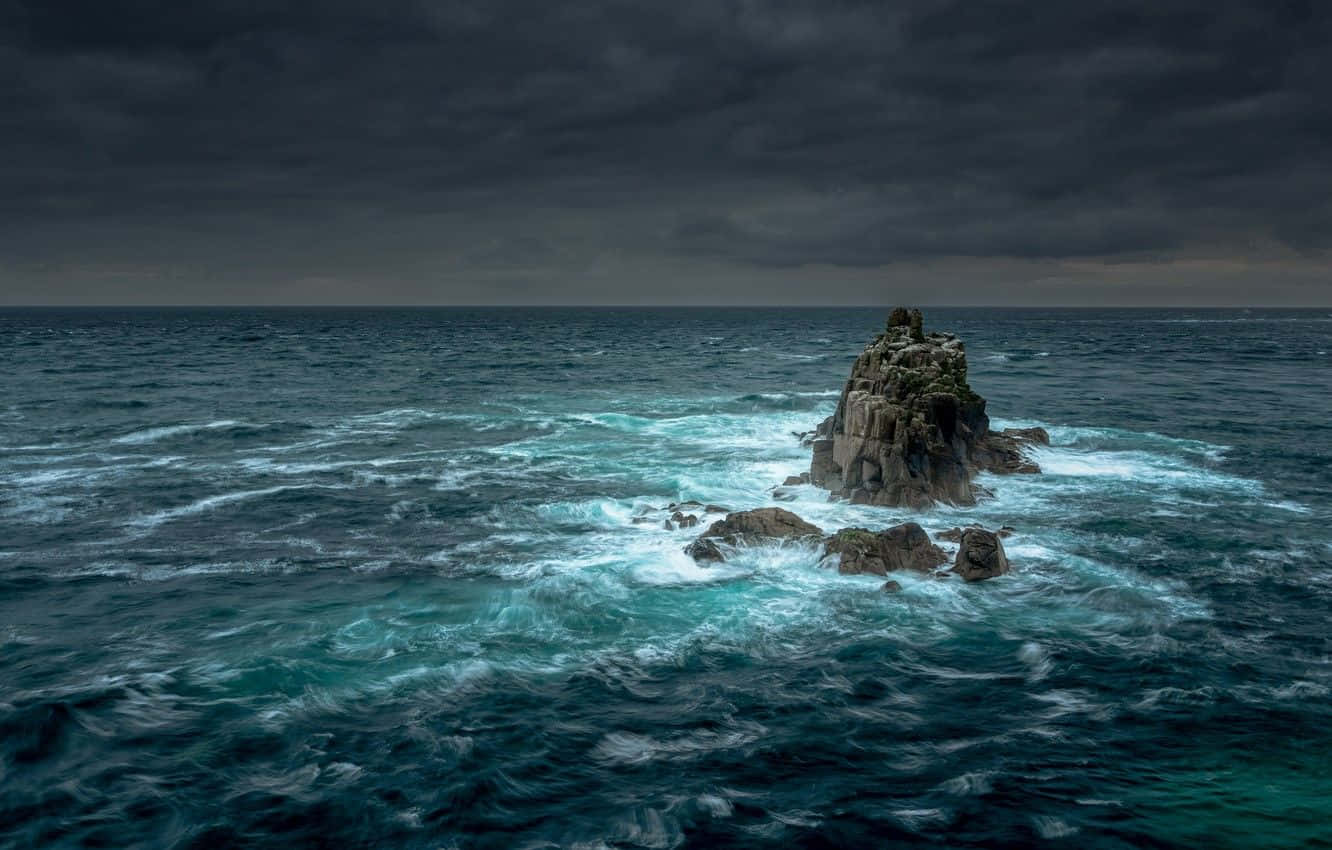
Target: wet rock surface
[
  {"x": 980, "y": 555},
  {"x": 860, "y": 551}
]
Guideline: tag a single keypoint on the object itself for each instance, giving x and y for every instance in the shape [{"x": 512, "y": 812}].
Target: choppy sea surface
[{"x": 370, "y": 577}]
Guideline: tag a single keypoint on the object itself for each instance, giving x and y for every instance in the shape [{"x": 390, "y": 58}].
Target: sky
[{"x": 802, "y": 152}]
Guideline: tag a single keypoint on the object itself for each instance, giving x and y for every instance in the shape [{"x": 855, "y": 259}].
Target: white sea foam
[
  {"x": 38, "y": 509},
  {"x": 1048, "y": 826},
  {"x": 969, "y": 784},
  {"x": 672, "y": 566},
  {"x": 152, "y": 435}
]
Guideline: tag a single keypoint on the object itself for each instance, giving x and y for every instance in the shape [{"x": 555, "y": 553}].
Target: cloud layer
[{"x": 705, "y": 151}]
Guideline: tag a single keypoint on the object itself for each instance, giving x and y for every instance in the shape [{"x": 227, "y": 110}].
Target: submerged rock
[
  {"x": 891, "y": 587},
  {"x": 750, "y": 527},
  {"x": 909, "y": 430},
  {"x": 980, "y": 555},
  {"x": 902, "y": 547}
]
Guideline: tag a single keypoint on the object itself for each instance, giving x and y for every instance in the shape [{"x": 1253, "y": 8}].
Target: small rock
[
  {"x": 980, "y": 555},
  {"x": 668, "y": 525},
  {"x": 715, "y": 509},
  {"x": 891, "y": 587},
  {"x": 793, "y": 481},
  {"x": 687, "y": 521}
]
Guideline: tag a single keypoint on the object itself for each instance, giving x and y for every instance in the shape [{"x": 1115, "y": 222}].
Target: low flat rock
[
  {"x": 859, "y": 551},
  {"x": 748, "y": 528}
]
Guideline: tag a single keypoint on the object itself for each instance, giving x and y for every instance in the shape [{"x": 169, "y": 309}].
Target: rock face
[
  {"x": 980, "y": 555},
  {"x": 749, "y": 527},
  {"x": 902, "y": 547},
  {"x": 909, "y": 431}
]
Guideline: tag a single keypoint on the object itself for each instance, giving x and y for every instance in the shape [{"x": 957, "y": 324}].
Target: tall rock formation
[{"x": 909, "y": 430}]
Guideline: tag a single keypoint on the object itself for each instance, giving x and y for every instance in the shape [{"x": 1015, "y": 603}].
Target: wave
[
  {"x": 788, "y": 355},
  {"x": 211, "y": 503},
  {"x": 628, "y": 748},
  {"x": 153, "y": 435}
]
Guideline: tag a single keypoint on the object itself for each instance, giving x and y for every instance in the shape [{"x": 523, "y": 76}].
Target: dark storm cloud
[{"x": 501, "y": 150}]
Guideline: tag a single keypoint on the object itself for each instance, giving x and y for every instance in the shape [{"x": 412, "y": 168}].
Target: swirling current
[{"x": 345, "y": 578}]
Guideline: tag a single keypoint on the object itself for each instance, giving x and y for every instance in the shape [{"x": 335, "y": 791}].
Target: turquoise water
[{"x": 355, "y": 577}]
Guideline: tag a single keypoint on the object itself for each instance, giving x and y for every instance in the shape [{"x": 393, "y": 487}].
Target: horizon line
[{"x": 586, "y": 305}]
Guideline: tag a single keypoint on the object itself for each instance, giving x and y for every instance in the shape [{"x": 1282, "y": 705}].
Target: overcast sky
[{"x": 669, "y": 152}]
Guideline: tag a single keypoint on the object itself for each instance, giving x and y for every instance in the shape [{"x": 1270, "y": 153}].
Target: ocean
[{"x": 371, "y": 577}]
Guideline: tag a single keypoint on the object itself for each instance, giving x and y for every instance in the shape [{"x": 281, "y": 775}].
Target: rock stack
[{"x": 909, "y": 431}]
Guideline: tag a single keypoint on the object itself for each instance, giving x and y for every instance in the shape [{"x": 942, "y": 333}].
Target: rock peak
[
  {"x": 909, "y": 430},
  {"x": 913, "y": 320}
]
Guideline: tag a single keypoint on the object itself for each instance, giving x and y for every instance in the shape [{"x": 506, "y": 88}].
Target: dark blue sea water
[{"x": 346, "y": 578}]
